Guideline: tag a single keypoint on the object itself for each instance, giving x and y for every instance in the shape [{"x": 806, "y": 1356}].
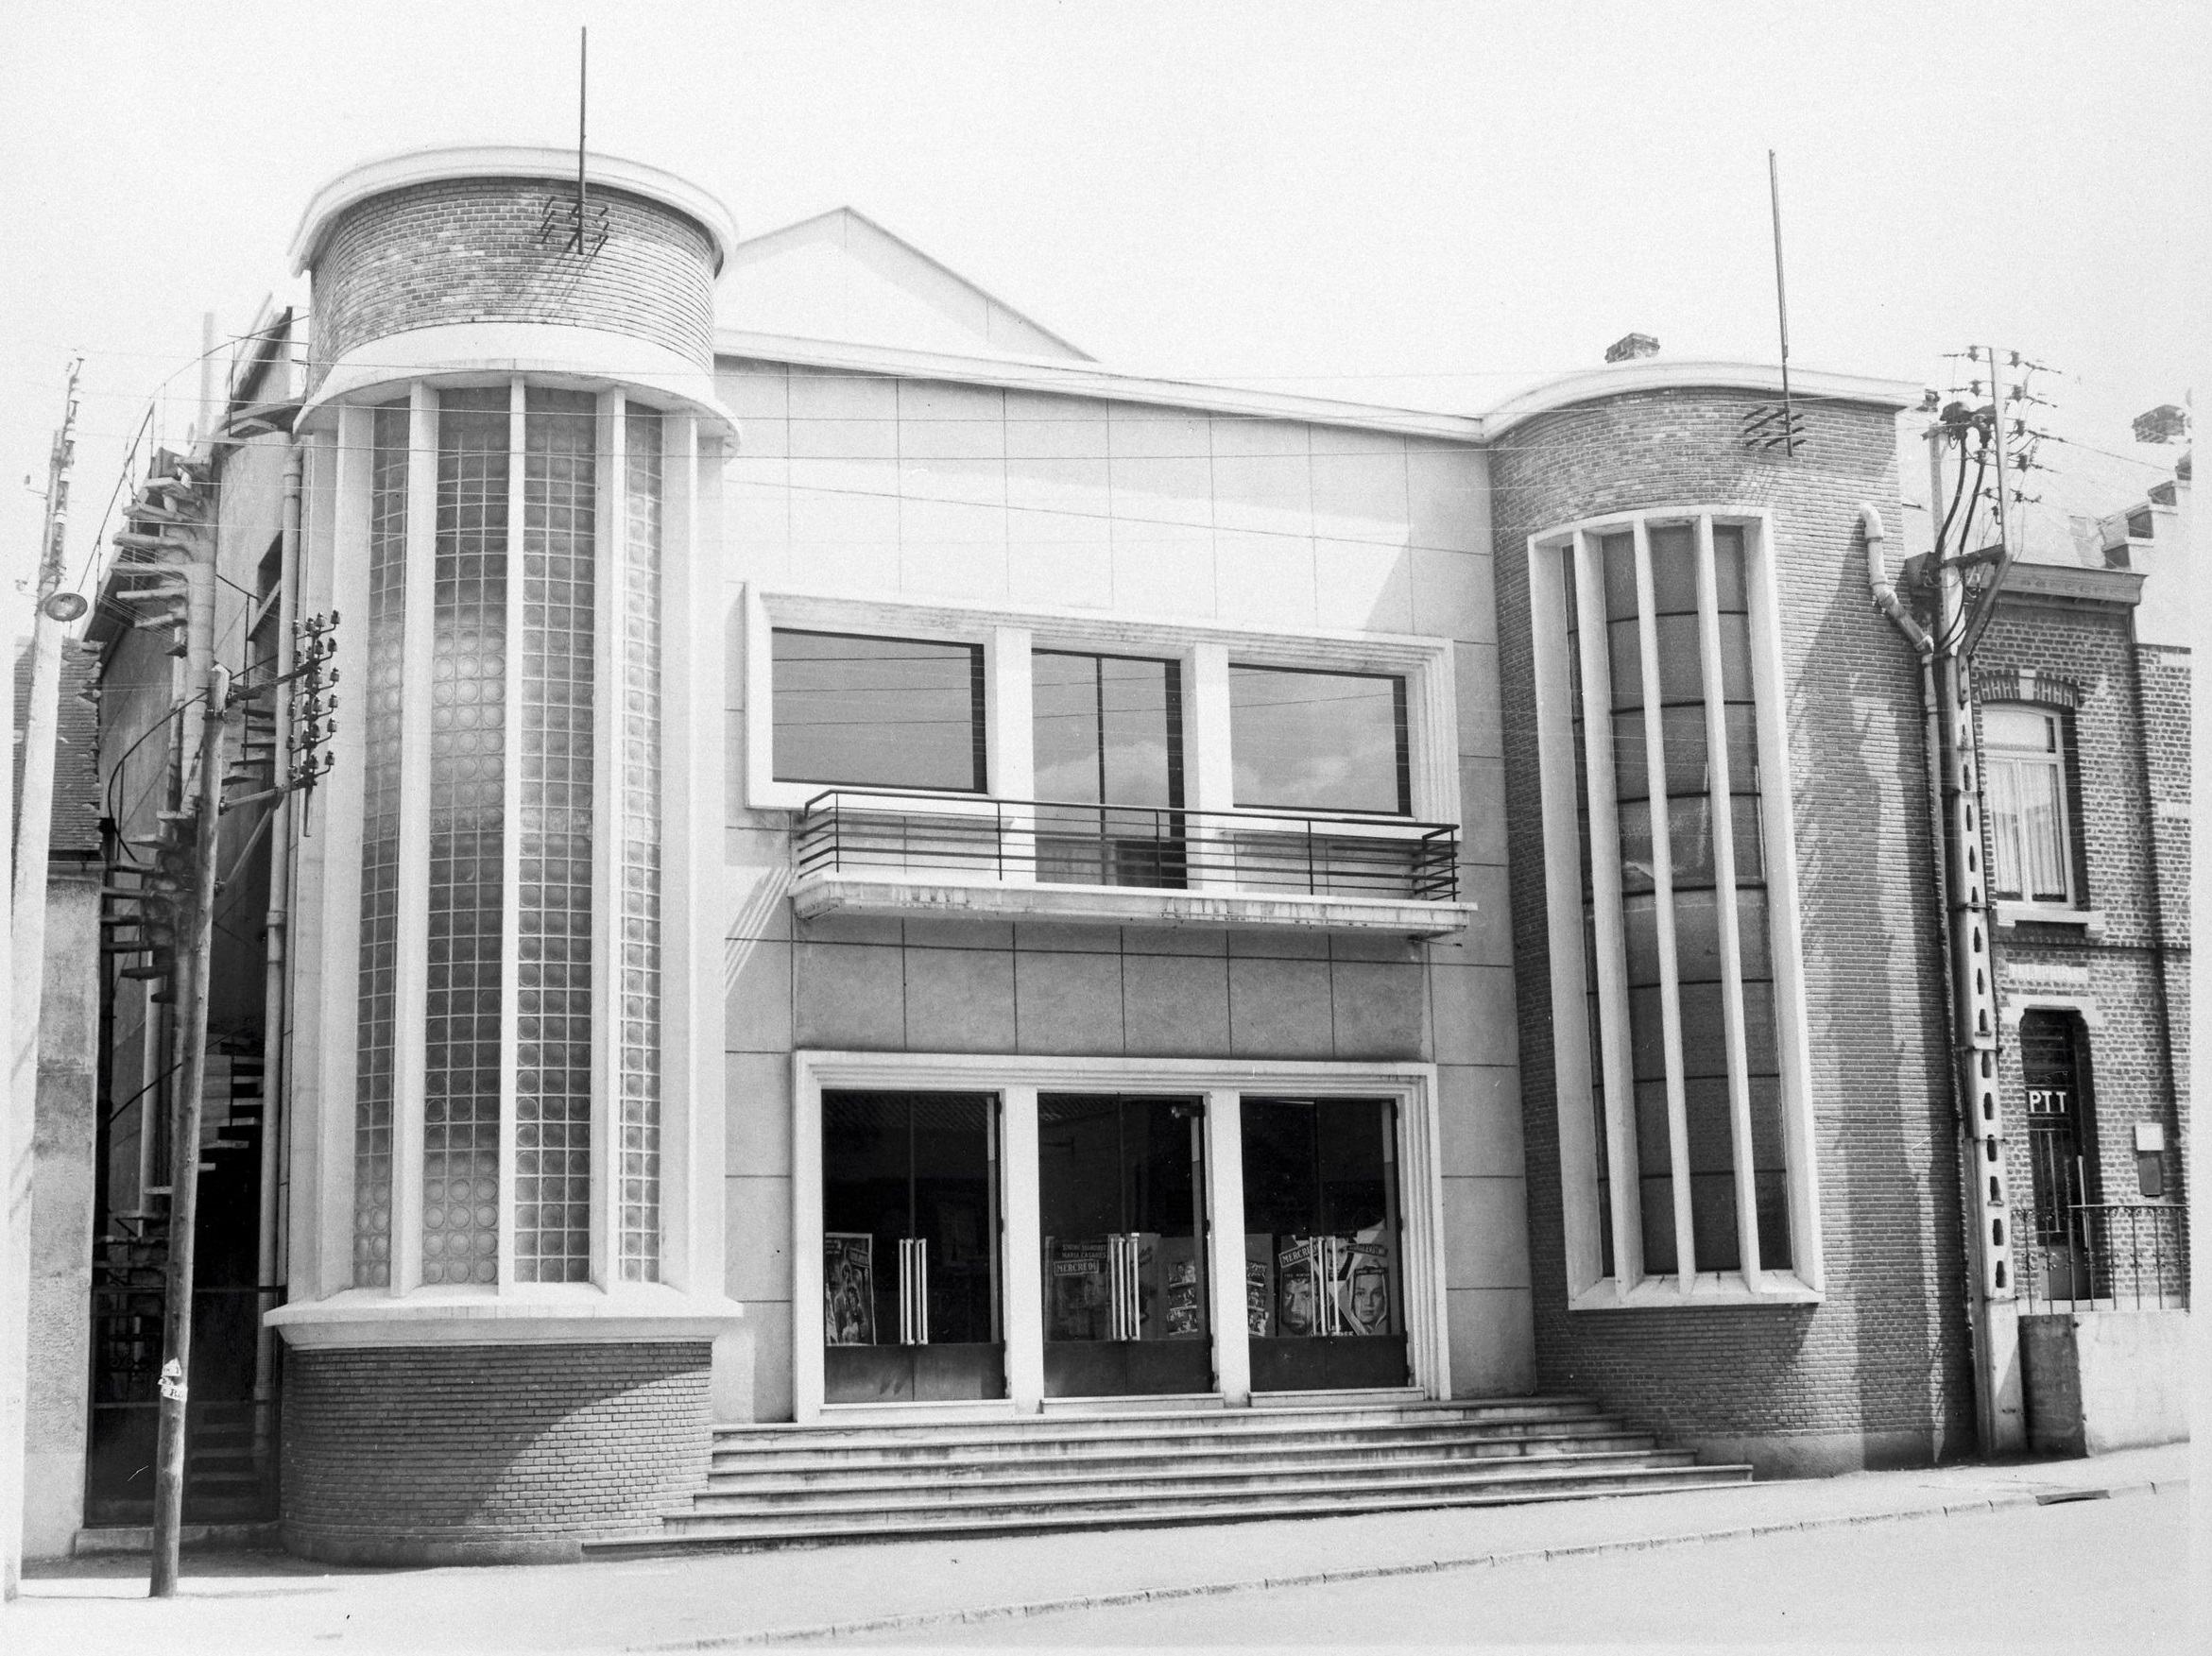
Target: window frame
[
  {"x": 979, "y": 741},
  {"x": 2055, "y": 760},
  {"x": 1590, "y": 1287},
  {"x": 1204, "y": 654}
]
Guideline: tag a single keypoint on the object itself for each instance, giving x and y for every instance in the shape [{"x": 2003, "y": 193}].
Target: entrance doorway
[
  {"x": 2058, "y": 1139},
  {"x": 978, "y": 1235},
  {"x": 910, "y": 1248},
  {"x": 1120, "y": 1205},
  {"x": 1322, "y": 1257}
]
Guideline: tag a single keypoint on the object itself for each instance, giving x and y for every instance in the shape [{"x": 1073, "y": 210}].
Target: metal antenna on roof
[
  {"x": 1782, "y": 307},
  {"x": 587, "y": 231}
]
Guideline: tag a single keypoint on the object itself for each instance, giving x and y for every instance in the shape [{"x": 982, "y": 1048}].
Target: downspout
[
  {"x": 1887, "y": 602},
  {"x": 275, "y": 1082},
  {"x": 2158, "y": 945}
]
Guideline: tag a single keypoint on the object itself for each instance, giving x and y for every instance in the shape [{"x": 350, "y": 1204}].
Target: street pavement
[{"x": 1736, "y": 1554}]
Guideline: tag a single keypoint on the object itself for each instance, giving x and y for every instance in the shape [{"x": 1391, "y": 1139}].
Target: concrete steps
[{"x": 783, "y": 1486}]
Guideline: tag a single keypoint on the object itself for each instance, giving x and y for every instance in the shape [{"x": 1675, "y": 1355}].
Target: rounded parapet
[{"x": 490, "y": 237}]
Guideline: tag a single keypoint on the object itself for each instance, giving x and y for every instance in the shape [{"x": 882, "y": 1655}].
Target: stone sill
[
  {"x": 2091, "y": 921},
  {"x": 899, "y": 897},
  {"x": 549, "y": 1315},
  {"x": 1727, "y": 1288}
]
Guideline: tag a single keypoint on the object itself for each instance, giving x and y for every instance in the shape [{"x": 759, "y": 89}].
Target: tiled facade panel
[
  {"x": 880, "y": 487},
  {"x": 2132, "y": 791},
  {"x": 872, "y": 485},
  {"x": 393, "y": 1453},
  {"x": 467, "y": 251},
  {"x": 1880, "y": 1368}
]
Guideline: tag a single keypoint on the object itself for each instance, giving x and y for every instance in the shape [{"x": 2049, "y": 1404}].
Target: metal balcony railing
[
  {"x": 2110, "y": 1255},
  {"x": 1270, "y": 853}
]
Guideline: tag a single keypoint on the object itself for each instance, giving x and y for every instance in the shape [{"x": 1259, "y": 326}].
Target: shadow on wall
[{"x": 1873, "y": 979}]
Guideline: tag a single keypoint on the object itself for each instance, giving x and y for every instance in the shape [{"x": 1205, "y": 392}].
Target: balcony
[{"x": 864, "y": 851}]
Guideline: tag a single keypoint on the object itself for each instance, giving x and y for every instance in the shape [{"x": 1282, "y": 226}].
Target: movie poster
[
  {"x": 1260, "y": 1285},
  {"x": 848, "y": 1289},
  {"x": 1077, "y": 1302},
  {"x": 1185, "y": 1289},
  {"x": 1360, "y": 1269},
  {"x": 1298, "y": 1288}
]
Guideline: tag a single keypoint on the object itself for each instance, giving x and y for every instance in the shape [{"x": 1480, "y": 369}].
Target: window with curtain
[{"x": 2023, "y": 763}]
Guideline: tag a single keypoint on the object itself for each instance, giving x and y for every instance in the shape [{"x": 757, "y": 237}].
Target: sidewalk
[{"x": 233, "y": 1601}]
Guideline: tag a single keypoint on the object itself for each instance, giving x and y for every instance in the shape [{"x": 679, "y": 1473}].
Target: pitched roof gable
[{"x": 842, "y": 276}]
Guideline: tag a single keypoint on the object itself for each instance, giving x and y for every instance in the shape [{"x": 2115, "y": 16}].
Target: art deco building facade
[{"x": 882, "y": 875}]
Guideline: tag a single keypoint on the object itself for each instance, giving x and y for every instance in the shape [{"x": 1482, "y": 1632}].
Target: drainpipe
[{"x": 268, "y": 1268}]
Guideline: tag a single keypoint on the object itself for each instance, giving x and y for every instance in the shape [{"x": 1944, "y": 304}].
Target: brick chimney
[
  {"x": 2164, "y": 424},
  {"x": 1631, "y": 346}
]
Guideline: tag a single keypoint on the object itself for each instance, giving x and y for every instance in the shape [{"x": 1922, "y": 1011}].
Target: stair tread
[
  {"x": 1193, "y": 1422},
  {"x": 1264, "y": 1452},
  {"x": 685, "y": 1531},
  {"x": 1040, "y": 1491}
]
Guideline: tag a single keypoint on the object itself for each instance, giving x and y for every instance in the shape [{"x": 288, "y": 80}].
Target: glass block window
[
  {"x": 467, "y": 837},
  {"x": 527, "y": 858},
  {"x": 638, "y": 1069},
  {"x": 1658, "y": 738},
  {"x": 380, "y": 849},
  {"x": 552, "y": 1061}
]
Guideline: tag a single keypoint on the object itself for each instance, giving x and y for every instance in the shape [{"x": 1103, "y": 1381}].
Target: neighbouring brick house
[{"x": 885, "y": 879}]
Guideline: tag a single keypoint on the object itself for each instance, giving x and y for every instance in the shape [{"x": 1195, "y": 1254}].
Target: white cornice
[
  {"x": 1081, "y": 380},
  {"x": 505, "y": 160},
  {"x": 1656, "y": 374}
]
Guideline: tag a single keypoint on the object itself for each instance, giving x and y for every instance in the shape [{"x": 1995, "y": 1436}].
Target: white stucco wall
[{"x": 874, "y": 486}]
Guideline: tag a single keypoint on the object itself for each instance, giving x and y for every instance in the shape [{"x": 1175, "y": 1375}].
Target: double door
[{"x": 942, "y": 1213}]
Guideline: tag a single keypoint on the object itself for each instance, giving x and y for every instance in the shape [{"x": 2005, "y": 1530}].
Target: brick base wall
[{"x": 481, "y": 1454}]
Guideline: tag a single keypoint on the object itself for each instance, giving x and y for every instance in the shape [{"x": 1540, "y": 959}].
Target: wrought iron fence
[
  {"x": 2109, "y": 1256},
  {"x": 1162, "y": 847}
]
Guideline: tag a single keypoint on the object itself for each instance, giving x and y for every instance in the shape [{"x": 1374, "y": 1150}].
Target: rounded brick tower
[{"x": 504, "y": 1247}]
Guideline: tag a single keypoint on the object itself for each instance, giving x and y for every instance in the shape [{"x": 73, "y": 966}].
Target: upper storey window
[
  {"x": 1310, "y": 741},
  {"x": 876, "y": 713},
  {"x": 2024, "y": 764},
  {"x": 942, "y": 746},
  {"x": 1674, "y": 933}
]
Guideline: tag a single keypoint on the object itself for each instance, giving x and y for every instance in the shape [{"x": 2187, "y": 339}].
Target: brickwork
[
  {"x": 486, "y": 1454},
  {"x": 2128, "y": 800},
  {"x": 1879, "y": 1371},
  {"x": 467, "y": 251}
]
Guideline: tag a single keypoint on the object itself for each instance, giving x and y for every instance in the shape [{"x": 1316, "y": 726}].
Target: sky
[{"x": 1420, "y": 204}]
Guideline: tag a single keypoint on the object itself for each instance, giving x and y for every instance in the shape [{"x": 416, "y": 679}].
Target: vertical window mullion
[
  {"x": 1718, "y": 792},
  {"x": 1612, "y": 947},
  {"x": 609, "y": 679},
  {"x": 417, "y": 666},
  {"x": 1663, "y": 908},
  {"x": 511, "y": 841}
]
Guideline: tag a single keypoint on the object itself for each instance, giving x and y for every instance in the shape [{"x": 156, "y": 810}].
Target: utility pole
[
  {"x": 1962, "y": 612},
  {"x": 26, "y": 973},
  {"x": 194, "y": 938}
]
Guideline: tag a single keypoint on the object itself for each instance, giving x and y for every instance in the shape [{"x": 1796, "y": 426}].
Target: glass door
[
  {"x": 1323, "y": 1263},
  {"x": 909, "y": 1265},
  {"x": 1120, "y": 1203}
]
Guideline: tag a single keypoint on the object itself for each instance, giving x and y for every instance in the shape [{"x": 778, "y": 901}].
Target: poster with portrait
[
  {"x": 1298, "y": 1288},
  {"x": 1360, "y": 1269},
  {"x": 848, "y": 1289}
]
